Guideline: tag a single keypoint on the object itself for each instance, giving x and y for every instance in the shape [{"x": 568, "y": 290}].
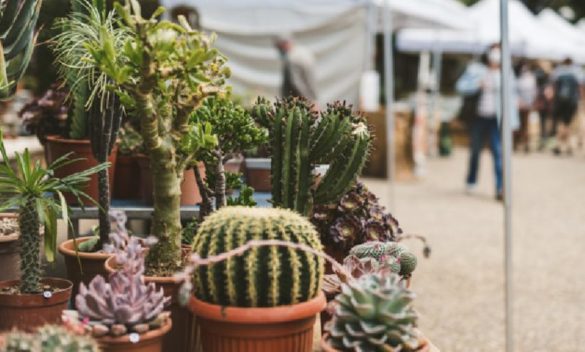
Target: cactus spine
[
  {"x": 301, "y": 139},
  {"x": 262, "y": 277}
]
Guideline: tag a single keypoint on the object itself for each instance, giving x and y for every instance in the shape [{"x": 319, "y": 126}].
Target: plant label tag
[{"x": 134, "y": 337}]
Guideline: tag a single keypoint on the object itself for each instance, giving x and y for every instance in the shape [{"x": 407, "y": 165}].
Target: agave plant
[
  {"x": 38, "y": 195},
  {"x": 17, "y": 39}
]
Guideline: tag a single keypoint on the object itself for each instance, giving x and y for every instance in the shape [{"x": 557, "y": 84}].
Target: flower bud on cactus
[
  {"x": 49, "y": 338},
  {"x": 374, "y": 313}
]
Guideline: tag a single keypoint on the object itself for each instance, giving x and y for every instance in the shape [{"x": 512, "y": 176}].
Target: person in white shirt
[{"x": 298, "y": 69}]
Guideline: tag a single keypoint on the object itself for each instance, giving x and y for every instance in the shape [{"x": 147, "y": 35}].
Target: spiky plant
[
  {"x": 38, "y": 195},
  {"x": 162, "y": 75},
  {"x": 374, "y": 314},
  {"x": 17, "y": 40},
  {"x": 301, "y": 139},
  {"x": 262, "y": 277},
  {"x": 49, "y": 338}
]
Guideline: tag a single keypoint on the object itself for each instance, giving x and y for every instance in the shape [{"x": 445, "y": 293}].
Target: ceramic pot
[
  {"x": 151, "y": 341},
  {"x": 127, "y": 178},
  {"x": 9, "y": 254},
  {"x": 257, "y": 174}
]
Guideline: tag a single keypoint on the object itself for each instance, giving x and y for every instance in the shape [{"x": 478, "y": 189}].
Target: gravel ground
[{"x": 460, "y": 288}]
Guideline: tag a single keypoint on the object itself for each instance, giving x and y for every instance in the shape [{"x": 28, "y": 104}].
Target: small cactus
[
  {"x": 374, "y": 313},
  {"x": 49, "y": 338},
  {"x": 387, "y": 252},
  {"x": 262, "y": 277}
]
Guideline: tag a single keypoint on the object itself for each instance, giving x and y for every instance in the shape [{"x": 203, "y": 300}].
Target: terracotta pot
[
  {"x": 82, "y": 266},
  {"x": 29, "y": 311},
  {"x": 257, "y": 174},
  {"x": 127, "y": 178},
  {"x": 189, "y": 191},
  {"x": 238, "y": 329},
  {"x": 151, "y": 341},
  {"x": 183, "y": 335},
  {"x": 9, "y": 254},
  {"x": 56, "y": 147},
  {"x": 233, "y": 165},
  {"x": 326, "y": 347}
]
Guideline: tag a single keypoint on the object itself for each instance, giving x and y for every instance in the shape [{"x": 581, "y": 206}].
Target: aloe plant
[{"x": 17, "y": 39}]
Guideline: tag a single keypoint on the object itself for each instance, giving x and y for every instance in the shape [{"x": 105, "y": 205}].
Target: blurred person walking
[
  {"x": 543, "y": 105},
  {"x": 483, "y": 80},
  {"x": 566, "y": 80},
  {"x": 298, "y": 69},
  {"x": 527, "y": 91}
]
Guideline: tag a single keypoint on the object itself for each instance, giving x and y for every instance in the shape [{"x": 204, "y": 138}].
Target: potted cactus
[
  {"x": 124, "y": 313},
  {"x": 374, "y": 313},
  {"x": 38, "y": 195},
  {"x": 48, "y": 338},
  {"x": 262, "y": 299}
]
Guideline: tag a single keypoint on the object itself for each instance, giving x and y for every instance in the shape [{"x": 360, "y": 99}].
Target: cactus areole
[{"x": 163, "y": 74}]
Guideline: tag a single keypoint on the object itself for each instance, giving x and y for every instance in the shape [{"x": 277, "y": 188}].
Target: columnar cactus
[
  {"x": 300, "y": 139},
  {"x": 262, "y": 277},
  {"x": 49, "y": 338},
  {"x": 386, "y": 252},
  {"x": 374, "y": 313}
]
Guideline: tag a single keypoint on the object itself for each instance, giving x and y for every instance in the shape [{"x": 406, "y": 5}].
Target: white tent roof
[
  {"x": 426, "y": 14},
  {"x": 564, "y": 32}
]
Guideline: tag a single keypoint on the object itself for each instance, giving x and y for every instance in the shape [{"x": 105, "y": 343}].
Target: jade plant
[
  {"x": 17, "y": 41},
  {"x": 374, "y": 313},
  {"x": 261, "y": 277},
  {"x": 49, "y": 338},
  {"x": 38, "y": 196},
  {"x": 236, "y": 131},
  {"x": 162, "y": 75},
  {"x": 300, "y": 139}
]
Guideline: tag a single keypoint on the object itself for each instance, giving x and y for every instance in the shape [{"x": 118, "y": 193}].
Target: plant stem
[
  {"x": 30, "y": 247},
  {"x": 206, "y": 207},
  {"x": 220, "y": 198}
]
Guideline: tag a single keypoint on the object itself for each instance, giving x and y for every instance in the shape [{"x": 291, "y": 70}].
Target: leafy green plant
[
  {"x": 300, "y": 139},
  {"x": 161, "y": 75},
  {"x": 262, "y": 277},
  {"x": 17, "y": 41},
  {"x": 130, "y": 141},
  {"x": 38, "y": 195},
  {"x": 49, "y": 338}
]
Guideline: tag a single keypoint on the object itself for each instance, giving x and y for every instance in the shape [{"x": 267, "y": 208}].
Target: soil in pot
[
  {"x": 183, "y": 335},
  {"x": 82, "y": 266},
  {"x": 56, "y": 147},
  {"x": 127, "y": 178},
  {"x": 151, "y": 341},
  {"x": 29, "y": 311},
  {"x": 284, "y": 328},
  {"x": 9, "y": 251},
  {"x": 257, "y": 174},
  {"x": 189, "y": 191}
]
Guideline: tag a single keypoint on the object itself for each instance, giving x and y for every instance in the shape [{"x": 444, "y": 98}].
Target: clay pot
[
  {"x": 183, "y": 335},
  {"x": 29, "y": 311},
  {"x": 151, "y": 341},
  {"x": 9, "y": 254},
  {"x": 82, "y": 266},
  {"x": 56, "y": 147},
  {"x": 233, "y": 165},
  {"x": 189, "y": 190},
  {"x": 258, "y": 174},
  {"x": 127, "y": 178},
  {"x": 231, "y": 329},
  {"x": 326, "y": 347}
]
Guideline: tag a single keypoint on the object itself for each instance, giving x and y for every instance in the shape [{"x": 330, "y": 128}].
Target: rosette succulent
[{"x": 374, "y": 313}]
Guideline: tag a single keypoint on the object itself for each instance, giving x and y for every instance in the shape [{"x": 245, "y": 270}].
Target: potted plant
[
  {"x": 262, "y": 299},
  {"x": 124, "y": 313},
  {"x": 301, "y": 139},
  {"x": 49, "y": 338},
  {"x": 374, "y": 313},
  {"x": 38, "y": 195},
  {"x": 9, "y": 235},
  {"x": 162, "y": 76}
]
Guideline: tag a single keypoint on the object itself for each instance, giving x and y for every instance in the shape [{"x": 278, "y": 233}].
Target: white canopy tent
[
  {"x": 432, "y": 14},
  {"x": 565, "y": 33}
]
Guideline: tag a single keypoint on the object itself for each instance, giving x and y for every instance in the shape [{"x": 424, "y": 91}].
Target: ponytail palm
[{"x": 38, "y": 196}]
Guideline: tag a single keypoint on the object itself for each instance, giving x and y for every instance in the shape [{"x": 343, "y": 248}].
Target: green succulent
[
  {"x": 261, "y": 277},
  {"x": 49, "y": 338},
  {"x": 374, "y": 314},
  {"x": 387, "y": 252}
]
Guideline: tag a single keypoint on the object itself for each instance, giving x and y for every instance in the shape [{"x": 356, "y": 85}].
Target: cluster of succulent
[
  {"x": 8, "y": 226},
  {"x": 46, "y": 115},
  {"x": 374, "y": 313},
  {"x": 356, "y": 218},
  {"x": 391, "y": 255},
  {"x": 49, "y": 338},
  {"x": 125, "y": 303}
]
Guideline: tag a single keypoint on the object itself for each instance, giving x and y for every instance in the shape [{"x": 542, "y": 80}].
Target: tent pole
[
  {"x": 389, "y": 90},
  {"x": 506, "y": 109},
  {"x": 434, "y": 106}
]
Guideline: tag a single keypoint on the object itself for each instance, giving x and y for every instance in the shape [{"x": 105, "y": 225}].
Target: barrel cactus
[
  {"x": 49, "y": 338},
  {"x": 374, "y": 313},
  {"x": 387, "y": 252},
  {"x": 261, "y": 277}
]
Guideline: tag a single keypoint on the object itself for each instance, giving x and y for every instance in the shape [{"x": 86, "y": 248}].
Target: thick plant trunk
[
  {"x": 220, "y": 198},
  {"x": 104, "y": 202},
  {"x": 30, "y": 247}
]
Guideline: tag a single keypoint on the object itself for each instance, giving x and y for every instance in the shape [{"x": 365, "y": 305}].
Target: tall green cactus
[
  {"x": 17, "y": 36},
  {"x": 262, "y": 277},
  {"x": 300, "y": 139}
]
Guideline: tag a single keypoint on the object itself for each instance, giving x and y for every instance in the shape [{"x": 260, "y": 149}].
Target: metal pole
[
  {"x": 434, "y": 107},
  {"x": 506, "y": 77},
  {"x": 389, "y": 90}
]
